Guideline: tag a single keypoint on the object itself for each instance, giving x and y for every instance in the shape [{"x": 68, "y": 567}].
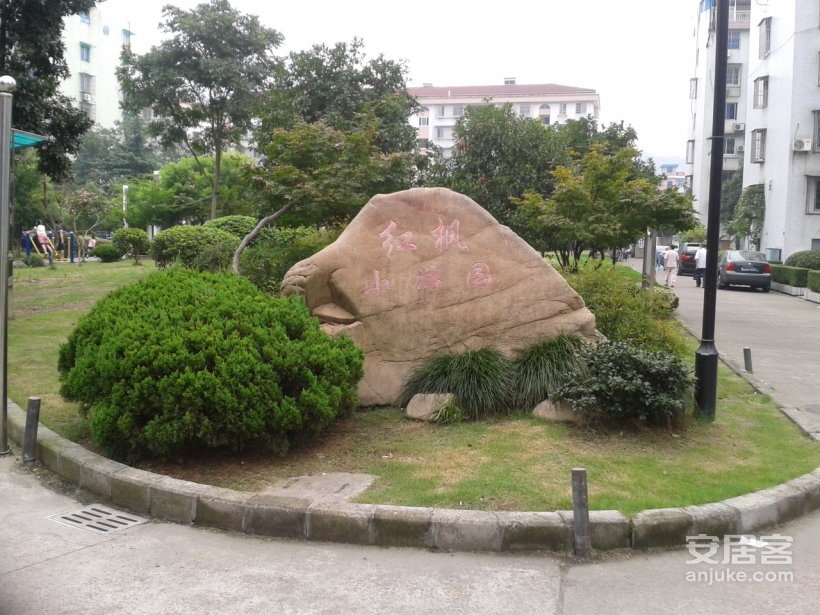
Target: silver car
[{"x": 744, "y": 268}]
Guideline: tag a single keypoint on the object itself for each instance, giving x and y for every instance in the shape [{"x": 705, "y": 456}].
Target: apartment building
[
  {"x": 93, "y": 43},
  {"x": 772, "y": 116},
  {"x": 443, "y": 106}
]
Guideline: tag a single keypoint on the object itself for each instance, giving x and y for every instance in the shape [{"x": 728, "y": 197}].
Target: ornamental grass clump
[
  {"x": 541, "y": 369},
  {"x": 183, "y": 362}
]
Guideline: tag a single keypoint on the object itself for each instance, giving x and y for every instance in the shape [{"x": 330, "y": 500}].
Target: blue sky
[{"x": 638, "y": 55}]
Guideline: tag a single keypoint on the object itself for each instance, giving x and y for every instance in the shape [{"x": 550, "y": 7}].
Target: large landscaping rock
[{"x": 426, "y": 271}]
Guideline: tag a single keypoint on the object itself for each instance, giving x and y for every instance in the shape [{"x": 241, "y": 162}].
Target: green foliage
[
  {"x": 448, "y": 414},
  {"x": 131, "y": 241},
  {"x": 809, "y": 259},
  {"x": 32, "y": 51},
  {"x": 107, "y": 252},
  {"x": 730, "y": 191},
  {"x": 183, "y": 362},
  {"x": 276, "y": 250},
  {"x": 624, "y": 312},
  {"x": 481, "y": 382},
  {"x": 541, "y": 369},
  {"x": 33, "y": 260},
  {"x": 624, "y": 382},
  {"x": 235, "y": 225},
  {"x": 793, "y": 276},
  {"x": 216, "y": 62},
  {"x": 204, "y": 248},
  {"x": 324, "y": 175},
  {"x": 813, "y": 281},
  {"x": 749, "y": 213}
]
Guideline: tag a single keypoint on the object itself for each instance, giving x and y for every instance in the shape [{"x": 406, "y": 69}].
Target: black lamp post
[{"x": 706, "y": 357}]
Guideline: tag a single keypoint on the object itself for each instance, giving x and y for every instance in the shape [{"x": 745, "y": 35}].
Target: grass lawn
[{"x": 518, "y": 463}]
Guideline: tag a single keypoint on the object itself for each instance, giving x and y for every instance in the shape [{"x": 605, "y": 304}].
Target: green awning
[{"x": 22, "y": 139}]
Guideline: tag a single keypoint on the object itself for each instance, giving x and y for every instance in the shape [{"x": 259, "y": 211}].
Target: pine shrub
[{"x": 185, "y": 361}]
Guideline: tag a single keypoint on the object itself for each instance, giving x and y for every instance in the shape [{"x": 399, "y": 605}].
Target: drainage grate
[{"x": 98, "y": 519}]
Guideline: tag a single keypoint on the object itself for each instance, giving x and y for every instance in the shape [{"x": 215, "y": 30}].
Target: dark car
[
  {"x": 744, "y": 268},
  {"x": 686, "y": 262}
]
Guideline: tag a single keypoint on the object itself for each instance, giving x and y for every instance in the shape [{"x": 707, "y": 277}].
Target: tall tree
[
  {"x": 343, "y": 89},
  {"x": 201, "y": 83},
  {"x": 32, "y": 51}
]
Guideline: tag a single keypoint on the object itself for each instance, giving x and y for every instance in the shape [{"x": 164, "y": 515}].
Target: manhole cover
[{"x": 98, "y": 519}]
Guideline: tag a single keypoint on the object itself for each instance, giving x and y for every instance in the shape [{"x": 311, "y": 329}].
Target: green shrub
[
  {"x": 808, "y": 259},
  {"x": 33, "y": 260},
  {"x": 624, "y": 312},
  {"x": 185, "y": 361},
  {"x": 792, "y": 276},
  {"x": 131, "y": 241},
  {"x": 481, "y": 382},
  {"x": 813, "y": 281},
  {"x": 235, "y": 225},
  {"x": 203, "y": 248},
  {"x": 107, "y": 252},
  {"x": 623, "y": 382},
  {"x": 276, "y": 250},
  {"x": 541, "y": 369}
]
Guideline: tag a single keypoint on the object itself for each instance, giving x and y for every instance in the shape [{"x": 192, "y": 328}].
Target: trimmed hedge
[
  {"x": 183, "y": 362},
  {"x": 793, "y": 276},
  {"x": 813, "y": 281},
  {"x": 107, "y": 252},
  {"x": 235, "y": 225},
  {"x": 809, "y": 259},
  {"x": 204, "y": 248}
]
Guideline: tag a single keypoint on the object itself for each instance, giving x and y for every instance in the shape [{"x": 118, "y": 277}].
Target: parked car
[
  {"x": 744, "y": 268},
  {"x": 686, "y": 263}
]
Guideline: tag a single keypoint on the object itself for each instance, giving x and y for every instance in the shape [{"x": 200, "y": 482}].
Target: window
[
  {"x": 89, "y": 109},
  {"x": 126, "y": 38},
  {"x": 758, "y": 145},
  {"x": 734, "y": 40},
  {"x": 444, "y": 132},
  {"x": 815, "y": 143},
  {"x": 690, "y": 151},
  {"x": 761, "y": 99},
  {"x": 85, "y": 18},
  {"x": 729, "y": 146},
  {"x": 85, "y": 52},
  {"x": 86, "y": 83},
  {"x": 424, "y": 121},
  {"x": 580, "y": 108},
  {"x": 727, "y": 175},
  {"x": 524, "y": 109},
  {"x": 813, "y": 203},
  {"x": 731, "y": 111},
  {"x": 733, "y": 74},
  {"x": 440, "y": 111},
  {"x": 687, "y": 184},
  {"x": 562, "y": 109},
  {"x": 764, "y": 30},
  {"x": 458, "y": 110},
  {"x": 693, "y": 88},
  {"x": 544, "y": 114}
]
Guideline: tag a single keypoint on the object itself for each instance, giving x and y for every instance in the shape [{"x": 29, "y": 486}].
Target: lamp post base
[{"x": 706, "y": 365}]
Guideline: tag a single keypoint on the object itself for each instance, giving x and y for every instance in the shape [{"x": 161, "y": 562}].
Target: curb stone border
[{"x": 187, "y": 502}]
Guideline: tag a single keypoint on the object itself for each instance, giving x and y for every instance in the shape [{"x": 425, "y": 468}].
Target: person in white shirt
[
  {"x": 670, "y": 266},
  {"x": 700, "y": 264}
]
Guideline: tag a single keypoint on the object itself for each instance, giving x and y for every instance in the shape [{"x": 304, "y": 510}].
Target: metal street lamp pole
[
  {"x": 7, "y": 85},
  {"x": 706, "y": 357}
]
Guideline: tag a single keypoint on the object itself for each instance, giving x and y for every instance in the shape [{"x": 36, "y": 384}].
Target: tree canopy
[
  {"x": 202, "y": 81},
  {"x": 32, "y": 51}
]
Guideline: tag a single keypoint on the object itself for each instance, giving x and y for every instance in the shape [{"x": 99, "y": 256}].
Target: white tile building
[
  {"x": 443, "y": 106},
  {"x": 772, "y": 114},
  {"x": 93, "y": 43}
]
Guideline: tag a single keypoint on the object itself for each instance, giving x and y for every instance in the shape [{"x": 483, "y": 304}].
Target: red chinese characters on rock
[
  {"x": 428, "y": 279},
  {"x": 448, "y": 235},
  {"x": 480, "y": 276},
  {"x": 401, "y": 243},
  {"x": 377, "y": 285}
]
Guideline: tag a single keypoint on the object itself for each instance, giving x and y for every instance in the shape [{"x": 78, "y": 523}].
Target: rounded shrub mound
[
  {"x": 186, "y": 361},
  {"x": 235, "y": 225},
  {"x": 204, "y": 248},
  {"x": 107, "y": 252},
  {"x": 808, "y": 259}
]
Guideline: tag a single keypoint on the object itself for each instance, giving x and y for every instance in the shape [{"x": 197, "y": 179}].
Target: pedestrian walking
[
  {"x": 670, "y": 266},
  {"x": 700, "y": 264}
]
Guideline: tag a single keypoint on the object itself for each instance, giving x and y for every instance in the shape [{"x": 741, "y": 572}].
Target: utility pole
[{"x": 706, "y": 357}]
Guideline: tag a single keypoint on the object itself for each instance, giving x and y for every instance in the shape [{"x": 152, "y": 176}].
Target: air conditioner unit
[
  {"x": 738, "y": 126},
  {"x": 739, "y": 149},
  {"x": 802, "y": 145},
  {"x": 87, "y": 97}
]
